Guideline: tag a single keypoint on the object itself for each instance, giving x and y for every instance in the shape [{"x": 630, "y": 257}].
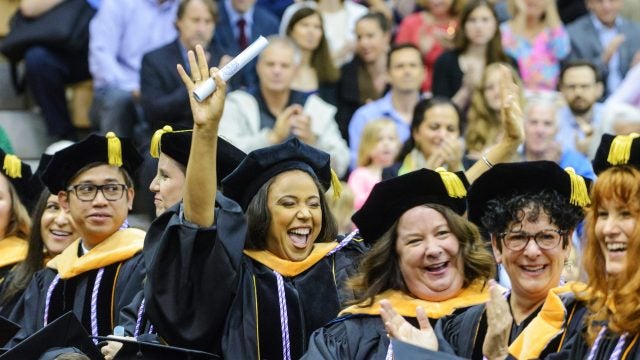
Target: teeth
[
  {"x": 436, "y": 267},
  {"x": 616, "y": 246},
  {"x": 534, "y": 268},
  {"x": 60, "y": 233},
  {"x": 305, "y": 231}
]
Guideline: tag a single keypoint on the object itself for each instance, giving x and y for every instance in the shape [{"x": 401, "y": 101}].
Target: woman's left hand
[
  {"x": 399, "y": 328},
  {"x": 499, "y": 320},
  {"x": 510, "y": 111}
]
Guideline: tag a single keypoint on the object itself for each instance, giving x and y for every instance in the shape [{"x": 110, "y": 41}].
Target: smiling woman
[{"x": 424, "y": 254}]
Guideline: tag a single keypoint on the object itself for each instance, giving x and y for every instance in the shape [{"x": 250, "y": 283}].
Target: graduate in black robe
[
  {"x": 13, "y": 241},
  {"x": 457, "y": 266},
  {"x": 611, "y": 326},
  {"x": 214, "y": 288},
  {"x": 100, "y": 273},
  {"x": 528, "y": 209}
]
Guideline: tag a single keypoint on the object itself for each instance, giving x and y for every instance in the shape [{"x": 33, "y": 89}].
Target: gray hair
[{"x": 275, "y": 40}]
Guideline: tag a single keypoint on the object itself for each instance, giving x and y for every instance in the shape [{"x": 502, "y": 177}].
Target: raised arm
[
  {"x": 201, "y": 179},
  {"x": 512, "y": 123}
]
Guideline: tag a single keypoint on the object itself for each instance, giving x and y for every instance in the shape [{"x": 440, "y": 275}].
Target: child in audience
[{"x": 378, "y": 149}]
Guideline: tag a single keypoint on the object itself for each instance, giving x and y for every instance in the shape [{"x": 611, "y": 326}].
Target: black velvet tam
[
  {"x": 600, "y": 162},
  {"x": 510, "y": 179},
  {"x": 261, "y": 165},
  {"x": 64, "y": 335},
  {"x": 177, "y": 145},
  {"x": 93, "y": 149},
  {"x": 20, "y": 180},
  {"x": 389, "y": 199}
]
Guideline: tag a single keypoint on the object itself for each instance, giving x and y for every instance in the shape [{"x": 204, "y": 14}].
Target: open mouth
[
  {"x": 437, "y": 268},
  {"x": 533, "y": 269},
  {"x": 616, "y": 247},
  {"x": 299, "y": 237},
  {"x": 60, "y": 233}
]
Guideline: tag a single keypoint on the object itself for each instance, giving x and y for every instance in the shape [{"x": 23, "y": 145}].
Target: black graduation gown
[
  {"x": 204, "y": 293},
  {"x": 120, "y": 282},
  {"x": 578, "y": 349},
  {"x": 7, "y": 308},
  {"x": 463, "y": 334},
  {"x": 360, "y": 333}
]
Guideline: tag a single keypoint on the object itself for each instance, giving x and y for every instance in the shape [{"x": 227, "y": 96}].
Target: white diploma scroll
[{"x": 209, "y": 86}]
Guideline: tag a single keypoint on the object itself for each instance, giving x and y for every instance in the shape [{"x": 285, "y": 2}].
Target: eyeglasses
[
  {"x": 88, "y": 192},
  {"x": 546, "y": 239}
]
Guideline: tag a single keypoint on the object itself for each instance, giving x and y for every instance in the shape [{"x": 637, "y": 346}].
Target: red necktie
[{"x": 242, "y": 35}]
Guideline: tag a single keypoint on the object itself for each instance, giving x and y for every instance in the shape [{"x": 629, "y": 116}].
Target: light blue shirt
[
  {"x": 606, "y": 35},
  {"x": 121, "y": 32},
  {"x": 234, "y": 16},
  {"x": 375, "y": 110},
  {"x": 568, "y": 128}
]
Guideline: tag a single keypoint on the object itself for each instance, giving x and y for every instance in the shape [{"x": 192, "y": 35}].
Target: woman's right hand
[
  {"x": 209, "y": 111},
  {"x": 399, "y": 328}
]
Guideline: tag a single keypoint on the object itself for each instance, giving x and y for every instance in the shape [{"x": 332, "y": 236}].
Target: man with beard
[
  {"x": 580, "y": 121},
  {"x": 162, "y": 94}
]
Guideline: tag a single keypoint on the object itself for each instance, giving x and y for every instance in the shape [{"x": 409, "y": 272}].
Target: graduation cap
[
  {"x": 143, "y": 350},
  {"x": 177, "y": 145},
  {"x": 261, "y": 165},
  {"x": 510, "y": 179},
  {"x": 108, "y": 149},
  {"x": 617, "y": 150},
  {"x": 19, "y": 175},
  {"x": 64, "y": 335},
  {"x": 389, "y": 199}
]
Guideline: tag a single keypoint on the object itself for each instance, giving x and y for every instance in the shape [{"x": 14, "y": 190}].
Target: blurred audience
[
  {"x": 273, "y": 112},
  {"x": 432, "y": 30},
  {"x": 364, "y": 78},
  {"x": 607, "y": 39},
  {"x": 580, "y": 121},
  {"x": 339, "y": 19},
  {"x": 405, "y": 70},
  {"x": 316, "y": 73},
  {"x": 458, "y": 71}
]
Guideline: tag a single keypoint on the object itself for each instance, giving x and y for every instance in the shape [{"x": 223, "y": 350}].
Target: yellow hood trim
[
  {"x": 13, "y": 250},
  {"x": 405, "y": 305},
  {"x": 118, "y": 247},
  {"x": 548, "y": 324},
  {"x": 291, "y": 268}
]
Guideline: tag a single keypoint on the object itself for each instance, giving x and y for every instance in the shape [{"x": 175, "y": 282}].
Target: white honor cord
[{"x": 209, "y": 86}]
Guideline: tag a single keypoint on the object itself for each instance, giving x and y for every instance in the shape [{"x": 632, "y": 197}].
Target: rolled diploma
[{"x": 209, "y": 86}]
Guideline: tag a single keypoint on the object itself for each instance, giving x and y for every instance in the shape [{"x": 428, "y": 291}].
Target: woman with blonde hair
[
  {"x": 15, "y": 223},
  {"x": 484, "y": 126}
]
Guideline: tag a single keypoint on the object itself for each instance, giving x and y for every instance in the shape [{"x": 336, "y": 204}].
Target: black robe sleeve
[
  {"x": 193, "y": 274},
  {"x": 28, "y": 311}
]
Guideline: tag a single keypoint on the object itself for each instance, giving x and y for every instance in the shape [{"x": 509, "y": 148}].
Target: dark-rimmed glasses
[
  {"x": 88, "y": 192},
  {"x": 546, "y": 239}
]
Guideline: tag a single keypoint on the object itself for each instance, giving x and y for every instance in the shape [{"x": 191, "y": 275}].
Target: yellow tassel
[
  {"x": 12, "y": 166},
  {"x": 579, "y": 193},
  {"x": 155, "y": 140},
  {"x": 114, "y": 149},
  {"x": 620, "y": 150},
  {"x": 336, "y": 185},
  {"x": 453, "y": 184}
]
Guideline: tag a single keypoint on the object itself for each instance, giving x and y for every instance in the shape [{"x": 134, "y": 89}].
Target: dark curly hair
[{"x": 506, "y": 210}]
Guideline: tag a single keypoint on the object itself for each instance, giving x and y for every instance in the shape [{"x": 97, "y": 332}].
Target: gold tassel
[
  {"x": 453, "y": 184},
  {"x": 114, "y": 149},
  {"x": 155, "y": 140},
  {"x": 620, "y": 150},
  {"x": 336, "y": 186},
  {"x": 579, "y": 193},
  {"x": 12, "y": 166}
]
